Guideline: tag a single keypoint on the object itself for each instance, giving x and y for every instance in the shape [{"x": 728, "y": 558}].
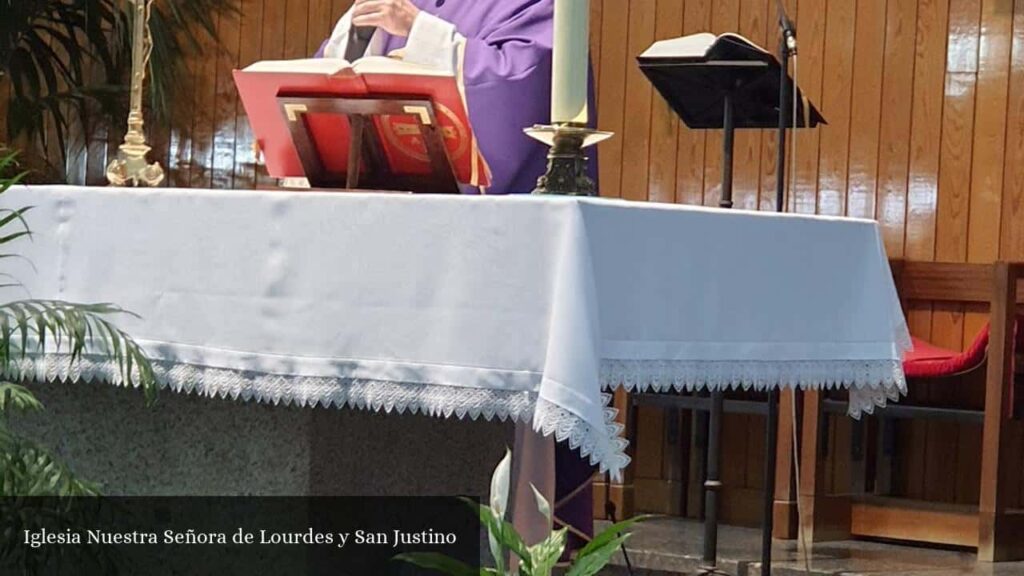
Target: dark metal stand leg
[
  {"x": 772, "y": 423},
  {"x": 727, "y": 150},
  {"x": 784, "y": 104},
  {"x": 713, "y": 485},
  {"x": 699, "y": 471},
  {"x": 771, "y": 439}
]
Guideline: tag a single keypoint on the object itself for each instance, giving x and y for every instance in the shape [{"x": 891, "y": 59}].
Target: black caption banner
[{"x": 350, "y": 536}]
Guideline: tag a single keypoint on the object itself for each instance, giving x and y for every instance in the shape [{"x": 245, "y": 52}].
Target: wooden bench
[{"x": 994, "y": 527}]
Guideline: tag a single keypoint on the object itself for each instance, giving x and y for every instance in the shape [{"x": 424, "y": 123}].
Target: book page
[
  {"x": 328, "y": 66},
  {"x": 743, "y": 40},
  {"x": 692, "y": 46},
  {"x": 336, "y": 66},
  {"x": 390, "y": 65}
]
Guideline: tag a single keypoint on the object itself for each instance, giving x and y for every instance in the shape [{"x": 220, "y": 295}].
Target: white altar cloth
[{"x": 521, "y": 307}]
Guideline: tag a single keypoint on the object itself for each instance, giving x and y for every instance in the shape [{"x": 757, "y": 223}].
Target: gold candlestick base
[
  {"x": 131, "y": 165},
  {"x": 567, "y": 163}
]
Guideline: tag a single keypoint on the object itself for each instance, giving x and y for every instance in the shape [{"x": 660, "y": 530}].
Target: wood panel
[
  {"x": 891, "y": 519},
  {"x": 203, "y": 115},
  {"x": 225, "y": 104},
  {"x": 725, "y": 15},
  {"x": 894, "y": 138},
  {"x": 665, "y": 125},
  {"x": 869, "y": 50},
  {"x": 753, "y": 16},
  {"x": 836, "y": 105},
  {"x": 939, "y": 440},
  {"x": 690, "y": 171},
  {"x": 249, "y": 50},
  {"x": 990, "y": 130},
  {"x": 636, "y": 132},
  {"x": 988, "y": 165},
  {"x": 612, "y": 92},
  {"x": 810, "y": 74},
  {"x": 1012, "y": 244}
]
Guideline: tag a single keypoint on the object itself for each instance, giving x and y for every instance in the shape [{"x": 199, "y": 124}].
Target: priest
[{"x": 499, "y": 50}]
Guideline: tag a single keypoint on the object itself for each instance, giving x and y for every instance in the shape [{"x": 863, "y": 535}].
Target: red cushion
[{"x": 926, "y": 360}]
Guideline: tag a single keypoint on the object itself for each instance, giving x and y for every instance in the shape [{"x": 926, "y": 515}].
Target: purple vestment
[{"x": 507, "y": 76}]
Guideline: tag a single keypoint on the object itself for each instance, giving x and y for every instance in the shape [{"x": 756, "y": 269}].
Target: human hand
[{"x": 393, "y": 16}]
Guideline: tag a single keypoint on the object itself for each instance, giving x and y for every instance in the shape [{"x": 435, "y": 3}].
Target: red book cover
[{"x": 260, "y": 84}]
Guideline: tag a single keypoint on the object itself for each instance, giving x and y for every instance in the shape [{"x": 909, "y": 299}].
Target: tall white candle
[{"x": 571, "y": 61}]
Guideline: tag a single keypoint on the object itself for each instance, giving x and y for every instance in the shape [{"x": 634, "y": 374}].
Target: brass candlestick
[
  {"x": 131, "y": 165},
  {"x": 567, "y": 161}
]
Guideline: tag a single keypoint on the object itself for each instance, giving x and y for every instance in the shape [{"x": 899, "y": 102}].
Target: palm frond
[
  {"x": 17, "y": 398},
  {"x": 8, "y": 166},
  {"x": 69, "y": 62},
  {"x": 31, "y": 328},
  {"x": 29, "y": 469},
  {"x": 36, "y": 328},
  {"x": 28, "y": 326}
]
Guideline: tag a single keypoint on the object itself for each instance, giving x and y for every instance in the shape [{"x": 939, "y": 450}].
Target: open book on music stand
[
  {"x": 723, "y": 82},
  {"x": 378, "y": 124},
  {"x": 728, "y": 82}
]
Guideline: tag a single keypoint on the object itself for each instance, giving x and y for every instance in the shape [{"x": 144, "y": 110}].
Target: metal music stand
[{"x": 740, "y": 90}]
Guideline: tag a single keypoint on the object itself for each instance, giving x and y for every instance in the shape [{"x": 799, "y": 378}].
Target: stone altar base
[{"x": 192, "y": 445}]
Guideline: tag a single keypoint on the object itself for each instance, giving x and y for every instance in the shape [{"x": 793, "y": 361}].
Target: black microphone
[
  {"x": 788, "y": 28},
  {"x": 358, "y": 40}
]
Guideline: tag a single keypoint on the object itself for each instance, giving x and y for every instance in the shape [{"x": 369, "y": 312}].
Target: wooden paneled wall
[{"x": 925, "y": 103}]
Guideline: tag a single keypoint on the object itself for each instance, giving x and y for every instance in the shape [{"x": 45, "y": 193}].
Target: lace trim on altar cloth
[
  {"x": 605, "y": 448},
  {"x": 872, "y": 383}
]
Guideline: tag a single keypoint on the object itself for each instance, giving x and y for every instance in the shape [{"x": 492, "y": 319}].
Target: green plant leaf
[
  {"x": 26, "y": 326},
  {"x": 593, "y": 562},
  {"x": 546, "y": 554},
  {"x": 500, "y": 480},
  {"x": 611, "y": 533},
  {"x": 28, "y": 469},
  {"x": 542, "y": 504},
  {"x": 504, "y": 535},
  {"x": 497, "y": 551},
  {"x": 14, "y": 397}
]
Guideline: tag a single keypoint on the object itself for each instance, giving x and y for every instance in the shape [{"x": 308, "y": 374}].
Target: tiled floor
[{"x": 672, "y": 546}]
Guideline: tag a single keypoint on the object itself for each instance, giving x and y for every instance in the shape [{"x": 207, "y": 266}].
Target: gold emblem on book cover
[{"x": 404, "y": 134}]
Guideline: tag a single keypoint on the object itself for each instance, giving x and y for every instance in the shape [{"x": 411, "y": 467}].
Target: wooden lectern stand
[{"x": 368, "y": 165}]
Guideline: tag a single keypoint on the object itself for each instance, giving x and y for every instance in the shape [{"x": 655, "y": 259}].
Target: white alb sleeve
[
  {"x": 339, "y": 40},
  {"x": 435, "y": 43}
]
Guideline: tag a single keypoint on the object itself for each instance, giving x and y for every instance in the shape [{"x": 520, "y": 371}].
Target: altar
[{"x": 513, "y": 308}]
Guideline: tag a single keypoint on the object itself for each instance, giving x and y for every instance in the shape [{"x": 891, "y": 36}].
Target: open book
[
  {"x": 399, "y": 136},
  {"x": 706, "y": 47},
  {"x": 336, "y": 66},
  {"x": 695, "y": 74}
]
